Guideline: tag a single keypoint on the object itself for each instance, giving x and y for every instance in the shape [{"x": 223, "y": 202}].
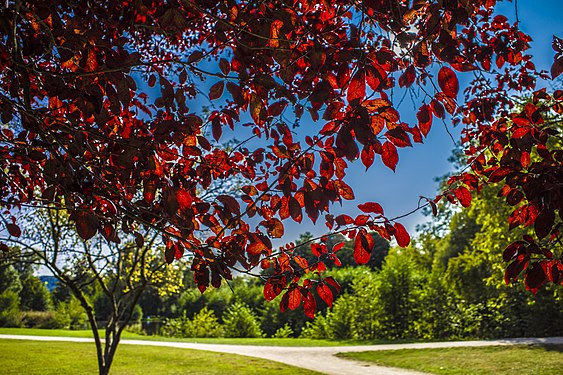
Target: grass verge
[
  {"x": 227, "y": 341},
  {"x": 497, "y": 360},
  {"x": 62, "y": 358}
]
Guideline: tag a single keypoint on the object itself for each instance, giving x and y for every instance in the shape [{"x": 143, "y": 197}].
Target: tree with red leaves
[{"x": 101, "y": 107}]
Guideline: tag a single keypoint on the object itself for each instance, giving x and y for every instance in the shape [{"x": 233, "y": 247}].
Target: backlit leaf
[
  {"x": 357, "y": 88},
  {"x": 401, "y": 235},
  {"x": 389, "y": 155},
  {"x": 216, "y": 90},
  {"x": 447, "y": 80}
]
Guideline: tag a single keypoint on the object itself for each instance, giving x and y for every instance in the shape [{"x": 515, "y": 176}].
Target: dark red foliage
[{"x": 99, "y": 101}]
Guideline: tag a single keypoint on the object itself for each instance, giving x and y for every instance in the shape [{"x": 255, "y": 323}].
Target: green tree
[{"x": 34, "y": 294}]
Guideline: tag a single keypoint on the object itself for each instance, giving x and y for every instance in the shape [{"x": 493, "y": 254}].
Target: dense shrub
[
  {"x": 284, "y": 332},
  {"x": 10, "y": 315},
  {"x": 203, "y": 324},
  {"x": 44, "y": 319},
  {"x": 240, "y": 321}
]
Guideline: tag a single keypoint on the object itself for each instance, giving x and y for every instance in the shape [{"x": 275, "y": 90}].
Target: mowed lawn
[
  {"x": 61, "y": 358},
  {"x": 492, "y": 360}
]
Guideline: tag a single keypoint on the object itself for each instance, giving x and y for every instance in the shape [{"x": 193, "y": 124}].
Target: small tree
[{"x": 119, "y": 271}]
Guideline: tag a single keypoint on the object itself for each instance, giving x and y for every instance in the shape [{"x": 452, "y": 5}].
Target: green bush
[
  {"x": 240, "y": 321},
  {"x": 71, "y": 314},
  {"x": 284, "y": 332},
  {"x": 43, "y": 319},
  {"x": 10, "y": 315},
  {"x": 317, "y": 329},
  {"x": 203, "y": 324}
]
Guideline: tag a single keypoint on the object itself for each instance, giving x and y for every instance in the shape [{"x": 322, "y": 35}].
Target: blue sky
[{"x": 418, "y": 166}]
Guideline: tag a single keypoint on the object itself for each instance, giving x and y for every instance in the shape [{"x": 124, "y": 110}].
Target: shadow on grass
[{"x": 549, "y": 347}]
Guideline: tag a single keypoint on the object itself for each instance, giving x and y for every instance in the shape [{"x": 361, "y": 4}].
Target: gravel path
[{"x": 321, "y": 359}]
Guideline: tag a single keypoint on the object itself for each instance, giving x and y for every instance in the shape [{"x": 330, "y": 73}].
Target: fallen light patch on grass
[
  {"x": 70, "y": 358},
  {"x": 491, "y": 360}
]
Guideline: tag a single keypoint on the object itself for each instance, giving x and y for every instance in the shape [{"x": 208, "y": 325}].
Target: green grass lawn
[
  {"x": 231, "y": 341},
  {"x": 61, "y": 358},
  {"x": 492, "y": 360}
]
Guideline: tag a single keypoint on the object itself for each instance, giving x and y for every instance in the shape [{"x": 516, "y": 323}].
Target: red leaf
[
  {"x": 325, "y": 293},
  {"x": 557, "y": 67},
  {"x": 230, "y": 203},
  {"x": 284, "y": 303},
  {"x": 338, "y": 246},
  {"x": 389, "y": 155},
  {"x": 463, "y": 195},
  {"x": 424, "y": 117},
  {"x": 437, "y": 108},
  {"x": 225, "y": 66},
  {"x": 14, "y": 230},
  {"x": 367, "y": 156},
  {"x": 294, "y": 298},
  {"x": 272, "y": 289},
  {"x": 216, "y": 129},
  {"x": 399, "y": 137},
  {"x": 402, "y": 236},
  {"x": 535, "y": 277},
  {"x": 512, "y": 250},
  {"x": 236, "y": 93},
  {"x": 448, "y": 82},
  {"x": 152, "y": 80},
  {"x": 257, "y": 245},
  {"x": 408, "y": 77},
  {"x": 295, "y": 210},
  {"x": 275, "y": 228},
  {"x": 195, "y": 57},
  {"x": 373, "y": 78},
  {"x": 309, "y": 305},
  {"x": 301, "y": 262},
  {"x": 343, "y": 219},
  {"x": 86, "y": 224},
  {"x": 363, "y": 245},
  {"x": 216, "y": 90},
  {"x": 257, "y": 109},
  {"x": 344, "y": 190},
  {"x": 184, "y": 199},
  {"x": 277, "y": 108},
  {"x": 149, "y": 191},
  {"x": 330, "y": 281},
  {"x": 544, "y": 222},
  {"x": 514, "y": 268},
  {"x": 371, "y": 207},
  {"x": 357, "y": 88},
  {"x": 169, "y": 253}
]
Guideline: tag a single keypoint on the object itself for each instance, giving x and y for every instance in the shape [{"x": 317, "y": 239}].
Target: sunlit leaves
[
  {"x": 389, "y": 155},
  {"x": 363, "y": 245},
  {"x": 424, "y": 116},
  {"x": 325, "y": 294},
  {"x": 401, "y": 235},
  {"x": 447, "y": 80},
  {"x": 408, "y": 77},
  {"x": 371, "y": 207},
  {"x": 357, "y": 88}
]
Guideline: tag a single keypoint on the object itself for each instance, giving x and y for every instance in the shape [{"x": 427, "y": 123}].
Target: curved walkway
[{"x": 321, "y": 359}]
